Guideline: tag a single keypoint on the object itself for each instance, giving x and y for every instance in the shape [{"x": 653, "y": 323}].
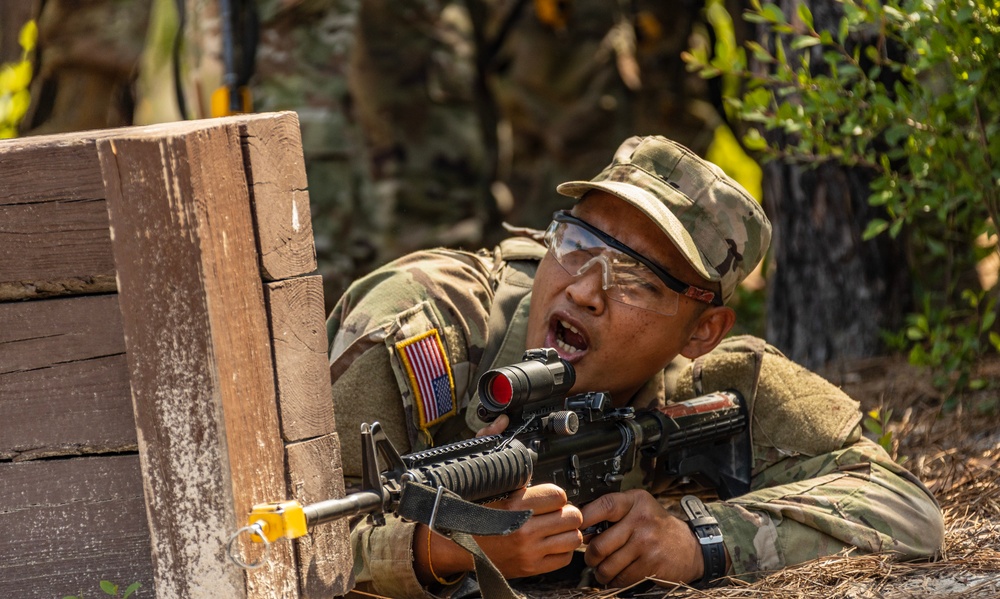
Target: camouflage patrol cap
[{"x": 718, "y": 227}]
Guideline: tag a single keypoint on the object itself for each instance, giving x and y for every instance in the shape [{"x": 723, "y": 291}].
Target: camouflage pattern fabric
[
  {"x": 391, "y": 138},
  {"x": 302, "y": 63},
  {"x": 716, "y": 224},
  {"x": 426, "y": 123},
  {"x": 818, "y": 487},
  {"x": 570, "y": 79},
  {"x": 413, "y": 79}
]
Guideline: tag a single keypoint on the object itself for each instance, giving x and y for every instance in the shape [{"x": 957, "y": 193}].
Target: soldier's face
[{"x": 613, "y": 346}]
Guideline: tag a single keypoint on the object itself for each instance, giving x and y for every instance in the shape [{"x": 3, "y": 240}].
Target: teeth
[
  {"x": 566, "y": 347},
  {"x": 569, "y": 326}
]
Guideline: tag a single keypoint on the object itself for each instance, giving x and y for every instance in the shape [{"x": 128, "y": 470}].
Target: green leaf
[
  {"x": 754, "y": 141},
  {"x": 875, "y": 227},
  {"x": 988, "y": 319},
  {"x": 109, "y": 588},
  {"x": 773, "y": 14},
  {"x": 759, "y": 52},
  {"x": 131, "y": 589},
  {"x": 804, "y": 41},
  {"x": 806, "y": 15},
  {"x": 21, "y": 76},
  {"x": 895, "y": 228},
  {"x": 995, "y": 340},
  {"x": 842, "y": 31}
]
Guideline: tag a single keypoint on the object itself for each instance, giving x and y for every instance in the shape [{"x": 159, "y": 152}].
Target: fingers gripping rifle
[{"x": 581, "y": 443}]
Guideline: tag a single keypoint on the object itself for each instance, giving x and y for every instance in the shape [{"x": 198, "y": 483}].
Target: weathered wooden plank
[
  {"x": 53, "y": 222},
  {"x": 199, "y": 359},
  {"x": 39, "y": 334},
  {"x": 77, "y": 407},
  {"x": 51, "y": 168},
  {"x": 65, "y": 166},
  {"x": 54, "y": 237},
  {"x": 55, "y": 240},
  {"x": 70, "y": 523},
  {"x": 276, "y": 172},
  {"x": 325, "y": 560},
  {"x": 298, "y": 333}
]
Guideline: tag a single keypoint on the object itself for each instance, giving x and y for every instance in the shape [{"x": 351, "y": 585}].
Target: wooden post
[
  {"x": 205, "y": 368},
  {"x": 205, "y": 349},
  {"x": 294, "y": 297},
  {"x": 199, "y": 359}
]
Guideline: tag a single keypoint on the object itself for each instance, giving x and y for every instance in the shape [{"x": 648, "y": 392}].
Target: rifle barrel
[{"x": 363, "y": 502}]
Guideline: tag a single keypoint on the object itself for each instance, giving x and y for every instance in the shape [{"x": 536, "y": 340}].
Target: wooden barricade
[{"x": 140, "y": 420}]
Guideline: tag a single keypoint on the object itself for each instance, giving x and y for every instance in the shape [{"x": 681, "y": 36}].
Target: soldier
[
  {"x": 571, "y": 78},
  {"x": 629, "y": 286},
  {"x": 383, "y": 90}
]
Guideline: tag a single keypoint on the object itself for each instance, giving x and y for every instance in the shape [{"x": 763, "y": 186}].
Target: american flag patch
[{"x": 430, "y": 376}]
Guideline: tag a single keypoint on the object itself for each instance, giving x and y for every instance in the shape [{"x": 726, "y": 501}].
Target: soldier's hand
[
  {"x": 546, "y": 542},
  {"x": 643, "y": 540},
  {"x": 494, "y": 428}
]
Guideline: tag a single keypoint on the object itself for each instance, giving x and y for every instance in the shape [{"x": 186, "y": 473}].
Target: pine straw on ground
[{"x": 955, "y": 452}]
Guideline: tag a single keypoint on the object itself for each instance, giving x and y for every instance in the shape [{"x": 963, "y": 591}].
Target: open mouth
[{"x": 568, "y": 338}]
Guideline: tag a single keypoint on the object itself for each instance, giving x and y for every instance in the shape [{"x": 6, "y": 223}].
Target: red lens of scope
[{"x": 500, "y": 390}]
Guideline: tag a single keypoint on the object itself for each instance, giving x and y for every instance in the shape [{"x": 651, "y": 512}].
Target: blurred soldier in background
[
  {"x": 570, "y": 77},
  {"x": 383, "y": 94},
  {"x": 424, "y": 122}
]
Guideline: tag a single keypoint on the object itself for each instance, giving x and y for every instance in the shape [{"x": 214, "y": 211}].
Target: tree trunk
[{"x": 831, "y": 294}]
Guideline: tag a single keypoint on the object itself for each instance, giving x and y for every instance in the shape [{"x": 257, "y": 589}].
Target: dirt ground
[{"x": 954, "y": 447}]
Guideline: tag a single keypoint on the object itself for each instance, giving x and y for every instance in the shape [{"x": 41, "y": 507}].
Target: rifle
[{"x": 581, "y": 442}]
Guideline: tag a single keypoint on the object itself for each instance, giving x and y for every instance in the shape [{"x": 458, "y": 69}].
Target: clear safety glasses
[{"x": 627, "y": 276}]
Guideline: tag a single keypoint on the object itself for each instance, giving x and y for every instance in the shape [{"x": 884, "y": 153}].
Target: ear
[{"x": 710, "y": 329}]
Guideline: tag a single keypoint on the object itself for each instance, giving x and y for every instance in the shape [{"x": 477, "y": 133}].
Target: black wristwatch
[{"x": 706, "y": 530}]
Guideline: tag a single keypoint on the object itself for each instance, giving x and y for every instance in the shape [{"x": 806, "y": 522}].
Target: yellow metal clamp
[{"x": 278, "y": 520}]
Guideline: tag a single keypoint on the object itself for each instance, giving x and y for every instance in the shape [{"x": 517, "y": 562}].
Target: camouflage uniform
[
  {"x": 400, "y": 105},
  {"x": 818, "y": 486},
  {"x": 391, "y": 137},
  {"x": 571, "y": 78}
]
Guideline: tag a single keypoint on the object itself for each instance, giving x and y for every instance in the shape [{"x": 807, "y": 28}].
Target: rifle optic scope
[{"x": 542, "y": 374}]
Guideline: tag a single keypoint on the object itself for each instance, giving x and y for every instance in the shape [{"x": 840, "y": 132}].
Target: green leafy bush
[
  {"x": 909, "y": 89},
  {"x": 14, "y": 80}
]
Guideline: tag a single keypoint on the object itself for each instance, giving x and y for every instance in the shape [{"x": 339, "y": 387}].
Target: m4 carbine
[{"x": 581, "y": 442}]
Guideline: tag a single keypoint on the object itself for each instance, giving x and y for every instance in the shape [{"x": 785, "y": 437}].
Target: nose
[{"x": 587, "y": 290}]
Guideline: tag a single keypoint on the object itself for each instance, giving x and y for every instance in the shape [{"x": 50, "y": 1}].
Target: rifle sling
[{"x": 458, "y": 520}]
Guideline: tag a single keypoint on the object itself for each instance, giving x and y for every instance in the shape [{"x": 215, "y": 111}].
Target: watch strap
[{"x": 706, "y": 529}]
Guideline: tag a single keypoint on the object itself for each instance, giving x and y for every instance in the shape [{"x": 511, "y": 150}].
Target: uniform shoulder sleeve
[
  {"x": 793, "y": 411},
  {"x": 403, "y": 341}
]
